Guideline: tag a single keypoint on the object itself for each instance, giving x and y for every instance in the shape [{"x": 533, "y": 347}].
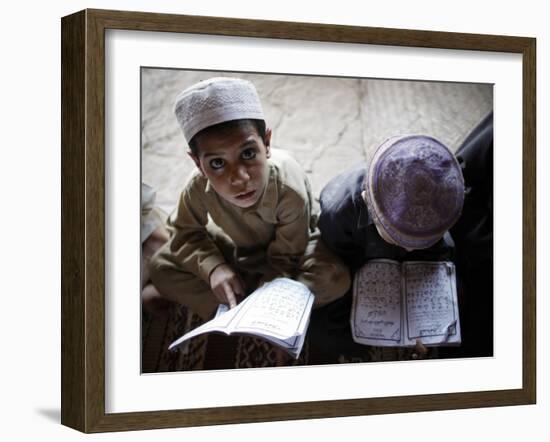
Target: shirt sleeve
[
  {"x": 190, "y": 244},
  {"x": 338, "y": 226},
  {"x": 291, "y": 236}
]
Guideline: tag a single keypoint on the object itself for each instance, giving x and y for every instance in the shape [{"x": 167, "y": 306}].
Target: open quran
[
  {"x": 394, "y": 304},
  {"x": 278, "y": 312}
]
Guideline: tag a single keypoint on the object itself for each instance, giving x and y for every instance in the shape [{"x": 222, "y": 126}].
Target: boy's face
[{"x": 235, "y": 163}]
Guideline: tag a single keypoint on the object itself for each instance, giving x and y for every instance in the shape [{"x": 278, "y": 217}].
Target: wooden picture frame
[{"x": 83, "y": 220}]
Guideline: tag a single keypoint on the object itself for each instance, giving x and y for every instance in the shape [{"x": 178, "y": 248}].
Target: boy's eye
[
  {"x": 248, "y": 154},
  {"x": 217, "y": 163}
]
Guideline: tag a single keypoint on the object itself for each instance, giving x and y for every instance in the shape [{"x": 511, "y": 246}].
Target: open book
[
  {"x": 394, "y": 304},
  {"x": 278, "y": 312}
]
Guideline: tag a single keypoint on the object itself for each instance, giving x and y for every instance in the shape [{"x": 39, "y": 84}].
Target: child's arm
[
  {"x": 227, "y": 285},
  {"x": 196, "y": 252},
  {"x": 291, "y": 235},
  {"x": 338, "y": 225}
]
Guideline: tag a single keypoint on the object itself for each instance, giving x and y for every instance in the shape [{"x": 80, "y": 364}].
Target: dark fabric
[
  {"x": 473, "y": 234},
  {"x": 475, "y": 226}
]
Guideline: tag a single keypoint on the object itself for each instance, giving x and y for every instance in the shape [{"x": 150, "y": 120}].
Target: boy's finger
[{"x": 230, "y": 295}]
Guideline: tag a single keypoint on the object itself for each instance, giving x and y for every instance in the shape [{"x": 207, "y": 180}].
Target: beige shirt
[{"x": 271, "y": 235}]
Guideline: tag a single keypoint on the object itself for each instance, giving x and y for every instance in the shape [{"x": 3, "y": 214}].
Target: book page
[
  {"x": 280, "y": 309},
  {"x": 431, "y": 303},
  {"x": 376, "y": 312},
  {"x": 221, "y": 323}
]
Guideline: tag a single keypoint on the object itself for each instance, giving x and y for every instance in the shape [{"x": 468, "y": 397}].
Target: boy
[
  {"x": 246, "y": 214},
  {"x": 401, "y": 208}
]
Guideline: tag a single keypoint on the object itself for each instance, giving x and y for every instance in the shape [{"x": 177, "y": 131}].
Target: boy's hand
[
  {"x": 420, "y": 350},
  {"x": 226, "y": 285}
]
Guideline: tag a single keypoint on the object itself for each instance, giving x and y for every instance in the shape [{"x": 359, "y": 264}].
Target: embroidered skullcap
[
  {"x": 415, "y": 190},
  {"x": 214, "y": 101}
]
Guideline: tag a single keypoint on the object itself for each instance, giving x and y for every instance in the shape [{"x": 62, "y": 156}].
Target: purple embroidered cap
[{"x": 415, "y": 190}]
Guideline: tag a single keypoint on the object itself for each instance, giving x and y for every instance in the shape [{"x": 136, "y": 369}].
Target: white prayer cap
[{"x": 214, "y": 101}]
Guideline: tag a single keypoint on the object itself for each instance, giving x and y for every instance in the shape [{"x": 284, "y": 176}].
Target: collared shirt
[
  {"x": 348, "y": 229},
  {"x": 270, "y": 235}
]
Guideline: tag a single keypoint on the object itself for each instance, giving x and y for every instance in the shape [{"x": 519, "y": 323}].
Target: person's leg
[
  {"x": 150, "y": 297},
  {"x": 149, "y": 247},
  {"x": 153, "y": 302},
  {"x": 175, "y": 284}
]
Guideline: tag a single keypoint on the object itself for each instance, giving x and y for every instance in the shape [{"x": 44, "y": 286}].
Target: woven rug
[
  {"x": 205, "y": 352},
  {"x": 214, "y": 351}
]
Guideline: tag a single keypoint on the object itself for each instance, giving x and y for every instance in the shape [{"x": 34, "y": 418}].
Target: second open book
[{"x": 394, "y": 304}]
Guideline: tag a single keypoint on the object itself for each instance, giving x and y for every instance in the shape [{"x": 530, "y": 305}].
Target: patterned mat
[
  {"x": 205, "y": 352},
  {"x": 217, "y": 351}
]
